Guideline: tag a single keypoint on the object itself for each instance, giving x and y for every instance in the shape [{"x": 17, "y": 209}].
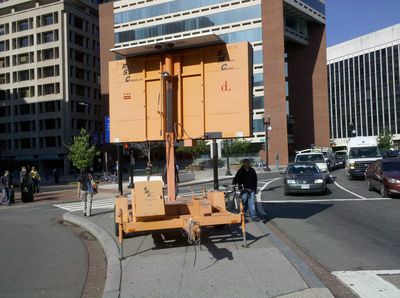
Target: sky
[{"x": 348, "y": 19}]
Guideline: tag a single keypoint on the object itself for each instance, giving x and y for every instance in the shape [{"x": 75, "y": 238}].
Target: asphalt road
[
  {"x": 39, "y": 257},
  {"x": 350, "y": 228}
]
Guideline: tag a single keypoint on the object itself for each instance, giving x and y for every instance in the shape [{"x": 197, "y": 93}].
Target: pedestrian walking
[
  {"x": 87, "y": 188},
  {"x": 6, "y": 182},
  {"x": 26, "y": 186},
  {"x": 35, "y": 177},
  {"x": 246, "y": 176}
]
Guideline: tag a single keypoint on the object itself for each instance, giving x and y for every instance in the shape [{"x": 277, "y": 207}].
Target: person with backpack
[
  {"x": 87, "y": 188},
  {"x": 7, "y": 184}
]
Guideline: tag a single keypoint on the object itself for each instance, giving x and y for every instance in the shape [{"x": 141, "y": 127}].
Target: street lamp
[
  {"x": 352, "y": 130},
  {"x": 267, "y": 126},
  {"x": 228, "y": 170}
]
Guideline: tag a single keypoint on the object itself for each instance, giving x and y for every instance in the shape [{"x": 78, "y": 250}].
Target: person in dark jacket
[
  {"x": 247, "y": 177},
  {"x": 7, "y": 184},
  {"x": 26, "y": 186}
]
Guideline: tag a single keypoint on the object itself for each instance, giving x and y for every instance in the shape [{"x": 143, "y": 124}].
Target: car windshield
[
  {"x": 298, "y": 169},
  {"x": 363, "y": 152},
  {"x": 310, "y": 157},
  {"x": 340, "y": 155},
  {"x": 393, "y": 166}
]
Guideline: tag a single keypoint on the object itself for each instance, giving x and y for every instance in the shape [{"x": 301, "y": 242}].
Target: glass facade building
[
  {"x": 364, "y": 85},
  {"x": 141, "y": 23}
]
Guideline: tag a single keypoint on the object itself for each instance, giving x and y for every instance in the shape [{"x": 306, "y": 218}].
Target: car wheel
[
  {"x": 384, "y": 192},
  {"x": 370, "y": 188}
]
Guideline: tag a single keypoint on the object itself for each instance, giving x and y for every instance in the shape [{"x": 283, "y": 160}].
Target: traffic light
[{"x": 126, "y": 149}]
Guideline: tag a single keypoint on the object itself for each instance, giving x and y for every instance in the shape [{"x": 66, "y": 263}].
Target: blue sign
[{"x": 107, "y": 129}]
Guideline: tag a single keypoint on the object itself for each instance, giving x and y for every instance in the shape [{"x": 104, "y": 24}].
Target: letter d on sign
[{"x": 224, "y": 87}]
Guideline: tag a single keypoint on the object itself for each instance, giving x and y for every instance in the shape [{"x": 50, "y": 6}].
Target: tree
[
  {"x": 195, "y": 150},
  {"x": 81, "y": 153},
  {"x": 146, "y": 148},
  {"x": 238, "y": 147},
  {"x": 385, "y": 139}
]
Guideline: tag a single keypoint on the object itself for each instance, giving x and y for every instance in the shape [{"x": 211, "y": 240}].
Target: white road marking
[
  {"x": 325, "y": 200},
  {"x": 350, "y": 192},
  {"x": 259, "y": 206},
  {"x": 368, "y": 283},
  {"x": 96, "y": 204}
]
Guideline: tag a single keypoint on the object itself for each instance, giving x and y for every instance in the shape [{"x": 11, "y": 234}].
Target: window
[
  {"x": 23, "y": 25},
  {"x": 80, "y": 90},
  {"x": 80, "y": 73},
  {"x": 51, "y": 142},
  {"x": 47, "y": 54},
  {"x": 78, "y": 22},
  {"x": 23, "y": 58},
  {"x": 47, "y": 20},
  {"x": 79, "y": 39},
  {"x": 3, "y": 29},
  {"x": 25, "y": 126},
  {"x": 23, "y": 42},
  {"x": 48, "y": 37},
  {"x": 48, "y": 71},
  {"x": 79, "y": 56},
  {"x": 25, "y": 109},
  {"x": 48, "y": 89},
  {"x": 25, "y": 143},
  {"x": 23, "y": 75},
  {"x": 50, "y": 124}
]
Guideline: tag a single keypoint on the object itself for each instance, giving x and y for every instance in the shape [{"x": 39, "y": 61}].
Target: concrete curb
[{"x": 114, "y": 274}]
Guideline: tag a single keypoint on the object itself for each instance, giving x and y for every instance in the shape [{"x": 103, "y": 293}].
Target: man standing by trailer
[{"x": 247, "y": 177}]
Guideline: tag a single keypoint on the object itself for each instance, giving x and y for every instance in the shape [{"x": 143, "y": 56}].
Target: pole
[
  {"x": 131, "y": 183},
  {"x": 267, "y": 124},
  {"x": 215, "y": 163},
  {"x": 106, "y": 161},
  {"x": 119, "y": 156},
  {"x": 228, "y": 170}
]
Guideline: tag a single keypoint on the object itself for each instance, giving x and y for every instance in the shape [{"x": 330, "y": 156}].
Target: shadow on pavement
[{"x": 293, "y": 210}]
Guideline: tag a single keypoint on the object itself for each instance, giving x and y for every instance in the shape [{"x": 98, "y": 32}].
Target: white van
[{"x": 361, "y": 152}]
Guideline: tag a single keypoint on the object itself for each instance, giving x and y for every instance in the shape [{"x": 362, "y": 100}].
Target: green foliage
[
  {"x": 385, "y": 139},
  {"x": 195, "y": 150},
  {"x": 239, "y": 147},
  {"x": 81, "y": 153}
]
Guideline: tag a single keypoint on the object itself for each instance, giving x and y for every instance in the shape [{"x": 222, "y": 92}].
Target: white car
[{"x": 315, "y": 157}]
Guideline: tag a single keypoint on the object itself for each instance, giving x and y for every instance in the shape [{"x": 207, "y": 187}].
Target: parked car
[
  {"x": 339, "y": 159},
  {"x": 384, "y": 176},
  {"x": 315, "y": 157},
  {"x": 303, "y": 177}
]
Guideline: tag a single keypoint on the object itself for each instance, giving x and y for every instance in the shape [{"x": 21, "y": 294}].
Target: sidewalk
[{"x": 165, "y": 265}]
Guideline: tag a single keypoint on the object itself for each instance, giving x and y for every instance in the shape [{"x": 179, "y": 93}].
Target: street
[{"x": 347, "y": 230}]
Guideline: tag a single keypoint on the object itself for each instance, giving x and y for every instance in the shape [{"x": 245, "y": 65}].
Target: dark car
[
  {"x": 304, "y": 177},
  {"x": 340, "y": 159},
  {"x": 384, "y": 176}
]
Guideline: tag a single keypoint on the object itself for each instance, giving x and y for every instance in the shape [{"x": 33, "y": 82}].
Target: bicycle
[
  {"x": 108, "y": 177},
  {"x": 233, "y": 198}
]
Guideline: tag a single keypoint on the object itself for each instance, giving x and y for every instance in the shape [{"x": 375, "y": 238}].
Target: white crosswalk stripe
[
  {"x": 368, "y": 283},
  {"x": 96, "y": 204}
]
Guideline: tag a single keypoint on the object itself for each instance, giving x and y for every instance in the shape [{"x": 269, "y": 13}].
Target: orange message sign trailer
[{"x": 183, "y": 94}]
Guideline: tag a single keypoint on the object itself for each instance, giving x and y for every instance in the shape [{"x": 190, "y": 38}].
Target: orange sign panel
[{"x": 211, "y": 95}]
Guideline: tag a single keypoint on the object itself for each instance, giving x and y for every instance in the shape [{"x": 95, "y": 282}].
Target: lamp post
[
  {"x": 228, "y": 170},
  {"x": 267, "y": 126},
  {"x": 352, "y": 130}
]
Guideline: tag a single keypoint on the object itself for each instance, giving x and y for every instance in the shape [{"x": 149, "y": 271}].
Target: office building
[
  {"x": 49, "y": 80},
  {"x": 364, "y": 85},
  {"x": 289, "y": 55}
]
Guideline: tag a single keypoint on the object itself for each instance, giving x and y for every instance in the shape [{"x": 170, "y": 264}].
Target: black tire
[
  {"x": 370, "y": 188},
  {"x": 384, "y": 192},
  {"x": 324, "y": 191}
]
